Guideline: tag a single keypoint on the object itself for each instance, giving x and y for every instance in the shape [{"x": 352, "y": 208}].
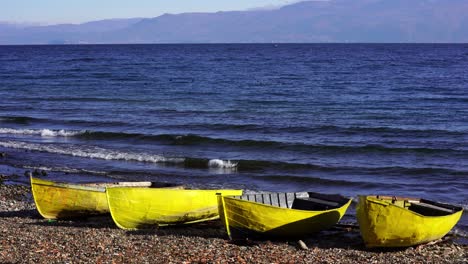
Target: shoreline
[{"x": 26, "y": 237}]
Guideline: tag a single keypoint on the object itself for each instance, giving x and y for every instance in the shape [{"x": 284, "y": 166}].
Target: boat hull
[
  {"x": 386, "y": 224},
  {"x": 245, "y": 218},
  {"x": 61, "y": 200},
  {"x": 56, "y": 200},
  {"x": 137, "y": 208}
]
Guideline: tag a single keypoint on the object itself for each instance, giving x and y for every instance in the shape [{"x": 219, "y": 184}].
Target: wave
[
  {"x": 202, "y": 163},
  {"x": 41, "y": 132},
  {"x": 94, "y": 152},
  {"x": 84, "y": 59},
  {"x": 85, "y": 99},
  {"x": 350, "y": 130},
  {"x": 192, "y": 111},
  {"x": 90, "y": 152},
  {"x": 260, "y": 165},
  {"x": 325, "y": 129},
  {"x": 66, "y": 170},
  {"x": 267, "y": 165},
  {"x": 224, "y": 164},
  {"x": 269, "y": 129},
  {"x": 23, "y": 120},
  {"x": 196, "y": 140},
  {"x": 249, "y": 127}
]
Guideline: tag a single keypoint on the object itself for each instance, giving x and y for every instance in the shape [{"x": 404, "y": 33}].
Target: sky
[{"x": 79, "y": 11}]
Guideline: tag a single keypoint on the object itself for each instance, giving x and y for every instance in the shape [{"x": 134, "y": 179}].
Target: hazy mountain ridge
[{"x": 309, "y": 21}]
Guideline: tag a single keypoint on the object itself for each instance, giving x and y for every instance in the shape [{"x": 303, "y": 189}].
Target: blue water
[{"x": 335, "y": 118}]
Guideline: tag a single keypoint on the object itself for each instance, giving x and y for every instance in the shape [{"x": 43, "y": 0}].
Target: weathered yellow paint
[
  {"x": 66, "y": 200},
  {"x": 62, "y": 200},
  {"x": 384, "y": 223},
  {"x": 276, "y": 221},
  {"x": 139, "y": 208}
]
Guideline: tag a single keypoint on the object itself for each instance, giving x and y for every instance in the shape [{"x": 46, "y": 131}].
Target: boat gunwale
[
  {"x": 95, "y": 186},
  {"x": 159, "y": 189},
  {"x": 349, "y": 200},
  {"x": 74, "y": 187},
  {"x": 383, "y": 201}
]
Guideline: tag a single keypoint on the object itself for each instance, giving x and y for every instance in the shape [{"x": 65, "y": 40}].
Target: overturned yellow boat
[
  {"x": 387, "y": 221},
  {"x": 140, "y": 208},
  {"x": 281, "y": 214},
  {"x": 56, "y": 200}
]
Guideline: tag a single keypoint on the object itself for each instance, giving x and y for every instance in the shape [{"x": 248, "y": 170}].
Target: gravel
[{"x": 25, "y": 237}]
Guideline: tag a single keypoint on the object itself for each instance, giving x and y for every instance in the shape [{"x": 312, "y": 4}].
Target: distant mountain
[
  {"x": 308, "y": 21},
  {"x": 62, "y": 33}
]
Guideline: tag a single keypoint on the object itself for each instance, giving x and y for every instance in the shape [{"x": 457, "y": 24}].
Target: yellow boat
[
  {"x": 140, "y": 208},
  {"x": 56, "y": 200},
  {"x": 387, "y": 221},
  {"x": 281, "y": 214}
]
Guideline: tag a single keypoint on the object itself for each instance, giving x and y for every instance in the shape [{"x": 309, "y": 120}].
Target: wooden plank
[
  {"x": 320, "y": 201},
  {"x": 434, "y": 207}
]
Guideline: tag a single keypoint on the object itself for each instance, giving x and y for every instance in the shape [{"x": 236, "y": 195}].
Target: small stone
[
  {"x": 302, "y": 245},
  {"x": 2, "y": 154}
]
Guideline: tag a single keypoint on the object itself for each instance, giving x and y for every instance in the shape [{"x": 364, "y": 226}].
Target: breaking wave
[
  {"x": 90, "y": 152},
  {"x": 224, "y": 164},
  {"x": 41, "y": 132},
  {"x": 94, "y": 152},
  {"x": 196, "y": 140}
]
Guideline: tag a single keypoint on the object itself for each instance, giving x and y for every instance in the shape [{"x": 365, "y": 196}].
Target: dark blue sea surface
[{"x": 335, "y": 118}]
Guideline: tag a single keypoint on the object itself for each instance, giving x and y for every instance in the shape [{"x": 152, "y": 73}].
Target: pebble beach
[{"x": 25, "y": 237}]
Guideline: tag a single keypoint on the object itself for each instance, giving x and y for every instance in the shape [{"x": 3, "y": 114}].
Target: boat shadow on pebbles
[
  {"x": 344, "y": 237},
  {"x": 24, "y": 213},
  {"x": 348, "y": 237},
  {"x": 98, "y": 222},
  {"x": 207, "y": 229},
  {"x": 340, "y": 236}
]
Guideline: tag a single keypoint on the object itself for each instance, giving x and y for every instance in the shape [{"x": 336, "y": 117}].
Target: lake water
[{"x": 335, "y": 118}]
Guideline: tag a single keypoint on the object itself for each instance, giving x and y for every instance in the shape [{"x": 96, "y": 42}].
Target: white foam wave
[
  {"x": 41, "y": 132},
  {"x": 225, "y": 164},
  {"x": 38, "y": 168},
  {"x": 90, "y": 152},
  {"x": 65, "y": 169}
]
